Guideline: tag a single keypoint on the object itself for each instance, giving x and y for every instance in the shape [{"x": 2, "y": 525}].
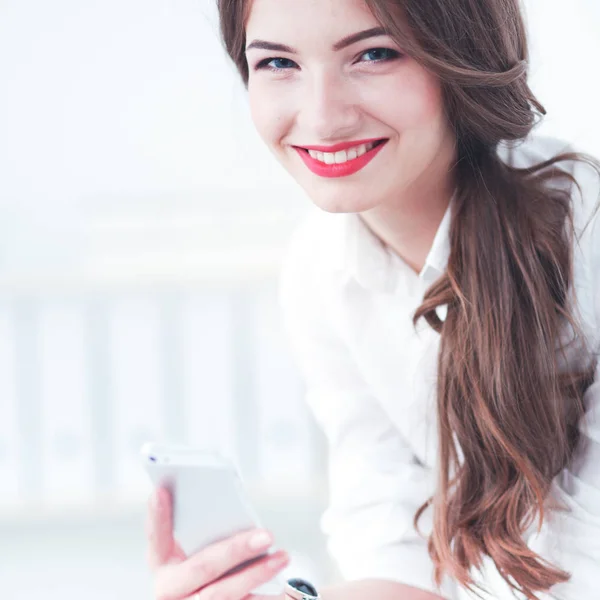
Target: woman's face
[{"x": 371, "y": 117}]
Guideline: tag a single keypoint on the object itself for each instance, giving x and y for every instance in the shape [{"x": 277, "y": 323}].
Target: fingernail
[
  {"x": 278, "y": 561},
  {"x": 260, "y": 540}
]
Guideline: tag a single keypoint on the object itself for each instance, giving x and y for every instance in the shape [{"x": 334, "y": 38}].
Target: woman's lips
[{"x": 340, "y": 169}]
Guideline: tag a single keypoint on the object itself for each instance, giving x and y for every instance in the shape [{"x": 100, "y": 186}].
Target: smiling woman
[{"x": 415, "y": 120}]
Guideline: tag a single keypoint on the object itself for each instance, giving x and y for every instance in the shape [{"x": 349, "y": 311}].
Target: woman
[{"x": 443, "y": 300}]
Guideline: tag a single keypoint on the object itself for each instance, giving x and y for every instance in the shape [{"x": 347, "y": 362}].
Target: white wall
[{"x": 565, "y": 49}]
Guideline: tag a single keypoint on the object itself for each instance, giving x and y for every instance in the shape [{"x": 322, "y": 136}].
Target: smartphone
[{"x": 209, "y": 500}]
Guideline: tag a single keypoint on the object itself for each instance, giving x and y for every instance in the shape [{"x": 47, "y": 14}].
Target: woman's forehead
[{"x": 305, "y": 19}]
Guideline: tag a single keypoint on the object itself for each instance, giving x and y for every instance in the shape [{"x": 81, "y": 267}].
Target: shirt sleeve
[
  {"x": 375, "y": 483},
  {"x": 571, "y": 539}
]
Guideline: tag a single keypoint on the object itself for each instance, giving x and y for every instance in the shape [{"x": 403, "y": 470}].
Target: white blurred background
[{"x": 141, "y": 229}]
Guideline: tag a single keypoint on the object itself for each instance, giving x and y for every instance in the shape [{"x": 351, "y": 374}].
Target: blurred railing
[{"x": 88, "y": 376}]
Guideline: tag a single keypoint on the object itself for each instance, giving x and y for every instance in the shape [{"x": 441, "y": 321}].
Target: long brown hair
[{"x": 508, "y": 413}]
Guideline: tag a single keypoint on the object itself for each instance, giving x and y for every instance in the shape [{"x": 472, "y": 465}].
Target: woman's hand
[{"x": 178, "y": 577}]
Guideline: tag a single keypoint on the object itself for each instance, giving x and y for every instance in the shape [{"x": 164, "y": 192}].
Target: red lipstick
[{"x": 342, "y": 169}]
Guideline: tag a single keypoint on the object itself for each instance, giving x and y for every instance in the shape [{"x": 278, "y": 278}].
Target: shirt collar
[{"x": 363, "y": 257}]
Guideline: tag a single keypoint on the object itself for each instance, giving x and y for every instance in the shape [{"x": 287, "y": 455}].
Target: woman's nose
[{"x": 329, "y": 109}]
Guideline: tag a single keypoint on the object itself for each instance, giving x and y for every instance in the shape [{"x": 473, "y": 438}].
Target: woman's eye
[
  {"x": 284, "y": 64},
  {"x": 379, "y": 55},
  {"x": 276, "y": 64}
]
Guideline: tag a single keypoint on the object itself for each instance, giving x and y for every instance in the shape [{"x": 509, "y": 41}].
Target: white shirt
[{"x": 347, "y": 304}]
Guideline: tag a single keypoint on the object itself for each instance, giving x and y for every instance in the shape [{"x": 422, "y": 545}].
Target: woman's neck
[{"x": 408, "y": 226}]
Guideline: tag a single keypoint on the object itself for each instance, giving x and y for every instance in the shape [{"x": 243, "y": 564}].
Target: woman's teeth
[{"x": 329, "y": 158}]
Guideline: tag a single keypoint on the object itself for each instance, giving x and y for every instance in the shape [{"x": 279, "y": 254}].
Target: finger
[
  {"x": 242, "y": 583},
  {"x": 160, "y": 529},
  {"x": 148, "y": 527},
  {"x": 213, "y": 562}
]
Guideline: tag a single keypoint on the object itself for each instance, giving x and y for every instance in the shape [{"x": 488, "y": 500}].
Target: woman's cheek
[
  {"x": 270, "y": 113},
  {"x": 260, "y": 110},
  {"x": 424, "y": 99},
  {"x": 417, "y": 100}
]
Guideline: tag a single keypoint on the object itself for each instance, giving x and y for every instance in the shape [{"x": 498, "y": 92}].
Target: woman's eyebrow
[{"x": 343, "y": 43}]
